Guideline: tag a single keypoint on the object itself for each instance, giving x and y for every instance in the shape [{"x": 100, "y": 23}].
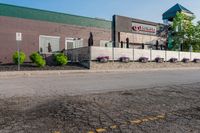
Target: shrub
[
  {"x": 196, "y": 60},
  {"x": 103, "y": 59},
  {"x": 22, "y": 57},
  {"x": 33, "y": 57},
  {"x": 173, "y": 60},
  {"x": 186, "y": 60},
  {"x": 125, "y": 59},
  {"x": 143, "y": 59},
  {"x": 159, "y": 60},
  {"x": 60, "y": 59},
  {"x": 37, "y": 59}
]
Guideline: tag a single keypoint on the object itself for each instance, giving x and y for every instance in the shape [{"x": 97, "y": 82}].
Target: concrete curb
[
  {"x": 38, "y": 73},
  {"x": 12, "y": 74}
]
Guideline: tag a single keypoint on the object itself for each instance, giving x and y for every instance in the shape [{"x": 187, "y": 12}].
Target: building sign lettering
[{"x": 142, "y": 28}]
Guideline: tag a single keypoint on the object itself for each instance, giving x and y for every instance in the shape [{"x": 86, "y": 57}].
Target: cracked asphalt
[{"x": 172, "y": 108}]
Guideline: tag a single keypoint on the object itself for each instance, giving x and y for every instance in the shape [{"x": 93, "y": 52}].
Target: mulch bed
[{"x": 32, "y": 67}]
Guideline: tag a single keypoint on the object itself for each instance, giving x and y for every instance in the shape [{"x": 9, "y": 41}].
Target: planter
[
  {"x": 27, "y": 66},
  {"x": 197, "y": 60},
  {"x": 125, "y": 59},
  {"x": 186, "y": 60},
  {"x": 159, "y": 60},
  {"x": 103, "y": 59},
  {"x": 173, "y": 60},
  {"x": 143, "y": 59}
]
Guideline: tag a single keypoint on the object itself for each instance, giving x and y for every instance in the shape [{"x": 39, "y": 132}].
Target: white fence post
[
  {"x": 91, "y": 50},
  {"x": 133, "y": 54},
  {"x": 113, "y": 54},
  {"x": 151, "y": 54}
]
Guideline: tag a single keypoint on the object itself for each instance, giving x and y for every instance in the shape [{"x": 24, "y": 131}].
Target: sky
[{"x": 151, "y": 10}]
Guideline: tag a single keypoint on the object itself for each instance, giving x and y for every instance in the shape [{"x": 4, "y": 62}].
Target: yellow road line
[
  {"x": 136, "y": 121},
  {"x": 100, "y": 130},
  {"x": 152, "y": 118},
  {"x": 113, "y": 127},
  {"x": 161, "y": 116},
  {"x": 145, "y": 120},
  {"x": 90, "y": 132}
]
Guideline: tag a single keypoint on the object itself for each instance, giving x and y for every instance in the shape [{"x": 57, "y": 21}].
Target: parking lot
[{"x": 171, "y": 106}]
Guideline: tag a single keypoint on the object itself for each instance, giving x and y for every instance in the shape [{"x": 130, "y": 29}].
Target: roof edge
[
  {"x": 49, "y": 11},
  {"x": 140, "y": 20}
]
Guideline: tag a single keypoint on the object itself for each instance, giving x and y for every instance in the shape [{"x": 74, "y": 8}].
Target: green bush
[
  {"x": 60, "y": 59},
  {"x": 22, "y": 57},
  {"x": 37, "y": 59},
  {"x": 33, "y": 57}
]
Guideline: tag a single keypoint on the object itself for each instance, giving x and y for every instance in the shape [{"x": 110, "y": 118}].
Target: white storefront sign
[
  {"x": 18, "y": 36},
  {"x": 143, "y": 28}
]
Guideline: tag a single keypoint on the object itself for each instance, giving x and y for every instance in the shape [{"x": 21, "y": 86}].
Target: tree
[
  {"x": 184, "y": 32},
  {"x": 196, "y": 44}
]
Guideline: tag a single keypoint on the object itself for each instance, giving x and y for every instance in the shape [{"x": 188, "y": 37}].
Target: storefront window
[{"x": 49, "y": 44}]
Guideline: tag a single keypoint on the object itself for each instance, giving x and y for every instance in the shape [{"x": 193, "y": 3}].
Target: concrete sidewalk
[{"x": 12, "y": 74}]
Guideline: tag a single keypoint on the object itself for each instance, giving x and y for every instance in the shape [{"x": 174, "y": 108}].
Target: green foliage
[
  {"x": 60, "y": 59},
  {"x": 185, "y": 32},
  {"x": 33, "y": 56},
  {"x": 197, "y": 35},
  {"x": 37, "y": 59},
  {"x": 22, "y": 57}
]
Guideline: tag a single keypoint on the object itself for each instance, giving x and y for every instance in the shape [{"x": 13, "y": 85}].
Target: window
[
  {"x": 49, "y": 44},
  {"x": 71, "y": 43}
]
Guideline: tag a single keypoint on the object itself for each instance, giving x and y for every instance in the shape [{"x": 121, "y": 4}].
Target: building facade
[
  {"x": 41, "y": 29},
  {"x": 138, "y": 33}
]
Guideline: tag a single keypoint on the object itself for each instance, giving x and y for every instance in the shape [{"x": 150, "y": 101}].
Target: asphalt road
[
  {"x": 84, "y": 83},
  {"x": 141, "y": 102}
]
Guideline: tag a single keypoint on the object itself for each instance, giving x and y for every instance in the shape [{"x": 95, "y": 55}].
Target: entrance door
[{"x": 69, "y": 43}]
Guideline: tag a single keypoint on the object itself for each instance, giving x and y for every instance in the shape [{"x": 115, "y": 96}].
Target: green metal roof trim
[
  {"x": 36, "y": 14},
  {"x": 173, "y": 10}
]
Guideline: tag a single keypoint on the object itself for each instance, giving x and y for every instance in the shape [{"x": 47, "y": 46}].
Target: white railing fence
[{"x": 134, "y": 54}]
